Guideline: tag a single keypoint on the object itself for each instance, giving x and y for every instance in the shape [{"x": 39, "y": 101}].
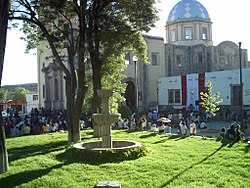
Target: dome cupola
[
  {"x": 188, "y": 10},
  {"x": 189, "y": 24}
]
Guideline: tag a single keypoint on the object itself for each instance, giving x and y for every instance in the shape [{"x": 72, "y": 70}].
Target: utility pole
[{"x": 241, "y": 91}]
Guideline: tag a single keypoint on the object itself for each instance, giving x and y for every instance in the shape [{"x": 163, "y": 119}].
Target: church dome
[{"x": 188, "y": 10}]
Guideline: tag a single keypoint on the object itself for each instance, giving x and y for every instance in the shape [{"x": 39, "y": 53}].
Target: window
[
  {"x": 177, "y": 95},
  {"x": 56, "y": 90},
  {"x": 173, "y": 35},
  {"x": 127, "y": 59},
  {"x": 35, "y": 97},
  {"x": 228, "y": 59},
  {"x": 200, "y": 57},
  {"x": 174, "y": 96},
  {"x": 170, "y": 96},
  {"x": 188, "y": 33},
  {"x": 43, "y": 91},
  {"x": 154, "y": 58},
  {"x": 204, "y": 33},
  {"x": 178, "y": 60}
]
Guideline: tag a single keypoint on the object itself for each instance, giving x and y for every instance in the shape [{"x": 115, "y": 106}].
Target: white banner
[{"x": 192, "y": 90}]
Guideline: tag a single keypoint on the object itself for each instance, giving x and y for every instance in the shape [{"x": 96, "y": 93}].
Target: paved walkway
[{"x": 213, "y": 129}]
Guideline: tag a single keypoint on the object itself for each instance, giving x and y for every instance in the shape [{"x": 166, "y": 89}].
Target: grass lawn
[{"x": 171, "y": 161}]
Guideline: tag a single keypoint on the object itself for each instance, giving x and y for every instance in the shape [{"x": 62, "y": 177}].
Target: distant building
[
  {"x": 32, "y": 102},
  {"x": 22, "y": 107},
  {"x": 183, "y": 91},
  {"x": 8, "y": 106}
]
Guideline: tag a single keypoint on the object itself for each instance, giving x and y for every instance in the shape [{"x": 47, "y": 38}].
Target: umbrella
[{"x": 164, "y": 120}]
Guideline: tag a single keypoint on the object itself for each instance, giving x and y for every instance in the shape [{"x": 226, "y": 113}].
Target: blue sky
[{"x": 230, "y": 22}]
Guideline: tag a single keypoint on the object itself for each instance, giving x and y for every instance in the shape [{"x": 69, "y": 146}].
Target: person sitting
[
  {"x": 161, "y": 127},
  {"x": 45, "y": 128},
  {"x": 153, "y": 128},
  {"x": 132, "y": 124},
  {"x": 223, "y": 132},
  {"x": 230, "y": 133},
  {"x": 27, "y": 130},
  {"x": 203, "y": 125},
  {"x": 238, "y": 134}
]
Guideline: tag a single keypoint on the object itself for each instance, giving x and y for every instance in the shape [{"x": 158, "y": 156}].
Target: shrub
[
  {"x": 110, "y": 155},
  {"x": 125, "y": 111}
]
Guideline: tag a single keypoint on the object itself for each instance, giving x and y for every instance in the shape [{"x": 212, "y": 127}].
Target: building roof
[{"x": 188, "y": 10}]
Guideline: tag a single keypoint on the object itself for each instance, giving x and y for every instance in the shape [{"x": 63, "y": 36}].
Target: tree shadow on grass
[
  {"x": 223, "y": 144},
  {"x": 167, "y": 137},
  {"x": 148, "y": 135},
  {"x": 161, "y": 141},
  {"x": 33, "y": 150},
  {"x": 247, "y": 148},
  {"x": 25, "y": 177}
]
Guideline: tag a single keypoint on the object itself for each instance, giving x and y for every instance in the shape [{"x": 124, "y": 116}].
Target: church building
[{"x": 188, "y": 50}]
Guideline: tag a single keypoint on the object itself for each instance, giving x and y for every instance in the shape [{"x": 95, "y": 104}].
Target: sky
[{"x": 230, "y": 22}]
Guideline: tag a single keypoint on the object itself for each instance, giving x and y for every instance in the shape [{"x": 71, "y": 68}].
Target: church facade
[{"x": 188, "y": 49}]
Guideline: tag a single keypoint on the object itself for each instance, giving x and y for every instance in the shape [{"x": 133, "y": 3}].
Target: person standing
[
  {"x": 192, "y": 127},
  {"x": 182, "y": 127}
]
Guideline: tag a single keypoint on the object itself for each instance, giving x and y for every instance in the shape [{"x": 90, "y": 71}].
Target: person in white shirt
[
  {"x": 182, "y": 127},
  {"x": 192, "y": 127}
]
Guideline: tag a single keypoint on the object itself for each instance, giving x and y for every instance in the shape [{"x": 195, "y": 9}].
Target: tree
[
  {"x": 19, "y": 93},
  {"x": 62, "y": 24},
  {"x": 3, "y": 94},
  {"x": 210, "y": 101},
  {"x": 79, "y": 30},
  {"x": 113, "y": 27},
  {"x": 4, "y": 13}
]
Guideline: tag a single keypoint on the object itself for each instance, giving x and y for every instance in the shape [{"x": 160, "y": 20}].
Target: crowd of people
[
  {"x": 46, "y": 121},
  {"x": 186, "y": 124},
  {"x": 232, "y": 133},
  {"x": 38, "y": 122}
]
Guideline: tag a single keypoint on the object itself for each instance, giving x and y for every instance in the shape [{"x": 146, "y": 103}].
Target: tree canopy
[
  {"x": 210, "y": 101},
  {"x": 83, "y": 35}
]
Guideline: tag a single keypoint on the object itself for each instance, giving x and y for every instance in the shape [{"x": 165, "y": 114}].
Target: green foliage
[
  {"x": 3, "y": 94},
  {"x": 125, "y": 111},
  {"x": 94, "y": 29},
  {"x": 19, "y": 93},
  {"x": 111, "y": 76},
  {"x": 120, "y": 25},
  {"x": 106, "y": 156},
  {"x": 210, "y": 101}
]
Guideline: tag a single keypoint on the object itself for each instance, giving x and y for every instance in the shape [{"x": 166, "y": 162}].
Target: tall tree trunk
[
  {"x": 4, "y": 164},
  {"x": 74, "y": 109},
  {"x": 4, "y": 14},
  {"x": 73, "y": 115},
  {"x": 96, "y": 85}
]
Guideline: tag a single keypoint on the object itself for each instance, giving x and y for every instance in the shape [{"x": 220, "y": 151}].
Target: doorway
[{"x": 130, "y": 95}]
